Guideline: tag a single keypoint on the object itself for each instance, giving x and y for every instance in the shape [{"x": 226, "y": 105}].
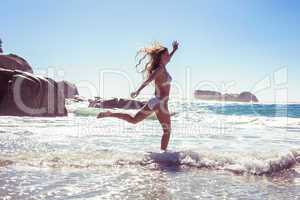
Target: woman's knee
[
  {"x": 136, "y": 119},
  {"x": 166, "y": 127}
]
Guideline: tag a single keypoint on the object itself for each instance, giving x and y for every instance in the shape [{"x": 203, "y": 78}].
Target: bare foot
[{"x": 104, "y": 114}]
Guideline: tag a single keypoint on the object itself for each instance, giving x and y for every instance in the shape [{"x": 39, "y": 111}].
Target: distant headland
[{"x": 217, "y": 96}]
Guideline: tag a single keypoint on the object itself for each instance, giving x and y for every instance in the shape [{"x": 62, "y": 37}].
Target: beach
[{"x": 217, "y": 151}]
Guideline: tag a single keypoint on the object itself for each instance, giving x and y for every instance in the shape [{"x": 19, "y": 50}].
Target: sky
[{"x": 225, "y": 45}]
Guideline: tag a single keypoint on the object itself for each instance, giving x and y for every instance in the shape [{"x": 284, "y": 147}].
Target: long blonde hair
[{"x": 153, "y": 53}]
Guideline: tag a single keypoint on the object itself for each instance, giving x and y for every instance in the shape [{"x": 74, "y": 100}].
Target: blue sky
[{"x": 234, "y": 42}]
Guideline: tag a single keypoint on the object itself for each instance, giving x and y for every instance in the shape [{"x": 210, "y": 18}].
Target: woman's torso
[{"x": 162, "y": 85}]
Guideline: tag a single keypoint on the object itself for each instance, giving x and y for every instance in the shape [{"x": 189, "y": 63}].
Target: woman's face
[{"x": 165, "y": 57}]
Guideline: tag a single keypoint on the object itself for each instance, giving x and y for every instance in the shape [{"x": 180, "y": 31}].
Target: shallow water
[{"x": 217, "y": 151}]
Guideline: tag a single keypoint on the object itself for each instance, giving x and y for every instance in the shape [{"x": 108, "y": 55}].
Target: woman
[{"x": 157, "y": 72}]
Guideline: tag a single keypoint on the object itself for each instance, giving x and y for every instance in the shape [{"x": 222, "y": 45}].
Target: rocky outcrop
[
  {"x": 247, "y": 96},
  {"x": 15, "y": 62},
  {"x": 25, "y": 94},
  {"x": 1, "y": 50},
  {"x": 116, "y": 103},
  {"x": 207, "y": 95},
  {"x": 217, "y": 96},
  {"x": 69, "y": 90}
]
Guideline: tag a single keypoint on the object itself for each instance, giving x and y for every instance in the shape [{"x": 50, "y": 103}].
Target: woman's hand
[
  {"x": 175, "y": 45},
  {"x": 134, "y": 94}
]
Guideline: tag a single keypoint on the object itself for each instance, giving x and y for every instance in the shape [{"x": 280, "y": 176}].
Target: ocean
[{"x": 216, "y": 151}]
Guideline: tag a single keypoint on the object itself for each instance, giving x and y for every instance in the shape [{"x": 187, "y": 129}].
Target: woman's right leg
[
  {"x": 163, "y": 116},
  {"x": 139, "y": 116}
]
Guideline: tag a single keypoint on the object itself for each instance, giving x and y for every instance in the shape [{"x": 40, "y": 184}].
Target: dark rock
[
  {"x": 208, "y": 95},
  {"x": 1, "y": 50},
  {"x": 69, "y": 90},
  {"x": 25, "y": 94},
  {"x": 4, "y": 163},
  {"x": 217, "y": 96},
  {"x": 117, "y": 103},
  {"x": 247, "y": 96},
  {"x": 15, "y": 62}
]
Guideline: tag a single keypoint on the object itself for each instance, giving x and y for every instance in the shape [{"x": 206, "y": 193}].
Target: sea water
[{"x": 216, "y": 151}]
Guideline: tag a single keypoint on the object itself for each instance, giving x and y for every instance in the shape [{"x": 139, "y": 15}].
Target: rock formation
[
  {"x": 1, "y": 50},
  {"x": 25, "y": 94},
  {"x": 14, "y": 62},
  {"x": 69, "y": 90},
  {"x": 217, "y": 96},
  {"x": 116, "y": 103}
]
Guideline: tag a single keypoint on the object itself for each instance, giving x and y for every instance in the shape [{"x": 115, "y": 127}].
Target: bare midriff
[{"x": 162, "y": 87}]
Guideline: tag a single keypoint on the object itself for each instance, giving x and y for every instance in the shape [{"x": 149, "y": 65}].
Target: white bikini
[{"x": 156, "y": 100}]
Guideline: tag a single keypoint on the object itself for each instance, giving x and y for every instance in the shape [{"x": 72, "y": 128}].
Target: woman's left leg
[{"x": 139, "y": 116}]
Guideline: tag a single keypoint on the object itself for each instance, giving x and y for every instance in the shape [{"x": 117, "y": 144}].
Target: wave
[
  {"x": 275, "y": 122},
  {"x": 272, "y": 110},
  {"x": 237, "y": 163},
  {"x": 234, "y": 114},
  {"x": 86, "y": 112},
  {"x": 209, "y": 119},
  {"x": 291, "y": 124},
  {"x": 93, "y": 112}
]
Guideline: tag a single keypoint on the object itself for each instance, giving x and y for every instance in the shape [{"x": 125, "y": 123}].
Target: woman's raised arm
[{"x": 175, "y": 45}]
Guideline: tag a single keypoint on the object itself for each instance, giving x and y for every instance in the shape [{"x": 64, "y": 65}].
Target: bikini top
[{"x": 169, "y": 77}]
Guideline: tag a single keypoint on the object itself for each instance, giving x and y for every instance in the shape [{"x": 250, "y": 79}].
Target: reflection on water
[{"x": 138, "y": 183}]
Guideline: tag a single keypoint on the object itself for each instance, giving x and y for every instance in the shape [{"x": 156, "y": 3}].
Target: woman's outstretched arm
[{"x": 146, "y": 82}]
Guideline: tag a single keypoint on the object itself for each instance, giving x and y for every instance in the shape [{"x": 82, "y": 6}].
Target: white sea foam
[
  {"x": 238, "y": 163},
  {"x": 200, "y": 112},
  {"x": 234, "y": 162}
]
